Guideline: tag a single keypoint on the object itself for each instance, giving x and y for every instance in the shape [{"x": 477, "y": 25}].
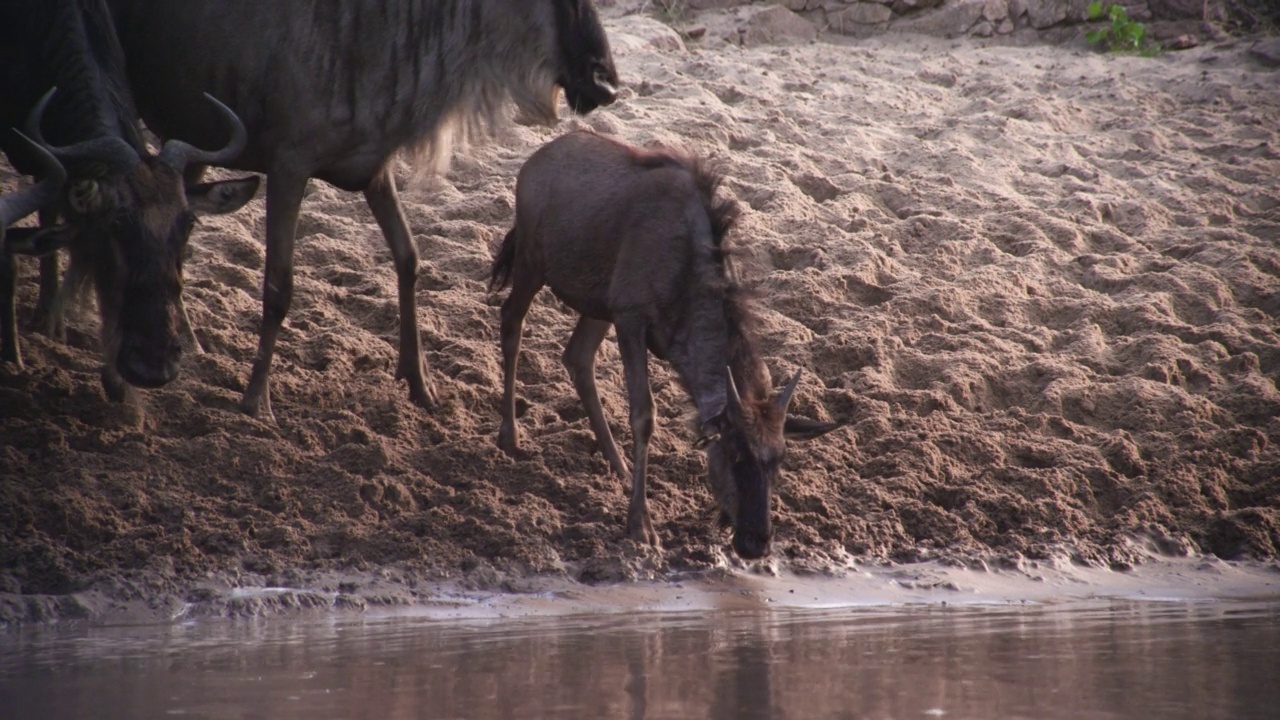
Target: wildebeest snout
[
  {"x": 598, "y": 90},
  {"x": 751, "y": 545},
  {"x": 149, "y": 369}
]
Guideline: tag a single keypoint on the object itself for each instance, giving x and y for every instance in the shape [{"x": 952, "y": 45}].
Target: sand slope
[{"x": 1039, "y": 284}]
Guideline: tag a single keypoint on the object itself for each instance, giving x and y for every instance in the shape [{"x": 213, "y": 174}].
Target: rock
[
  {"x": 1139, "y": 10},
  {"x": 1182, "y": 42},
  {"x": 852, "y": 18},
  {"x": 902, "y": 7},
  {"x": 1183, "y": 9},
  {"x": 712, "y": 4},
  {"x": 1017, "y": 8},
  {"x": 1266, "y": 52},
  {"x": 773, "y": 24},
  {"x": 1045, "y": 13},
  {"x": 951, "y": 20},
  {"x": 983, "y": 29},
  {"x": 1005, "y": 27},
  {"x": 1165, "y": 31},
  {"x": 637, "y": 32},
  {"x": 995, "y": 10}
]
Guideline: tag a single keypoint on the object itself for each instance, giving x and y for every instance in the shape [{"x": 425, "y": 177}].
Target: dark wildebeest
[
  {"x": 127, "y": 213},
  {"x": 333, "y": 89},
  {"x": 636, "y": 238}
]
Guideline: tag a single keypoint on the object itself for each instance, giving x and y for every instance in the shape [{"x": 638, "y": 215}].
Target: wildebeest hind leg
[
  {"x": 284, "y": 199},
  {"x": 384, "y": 201},
  {"x": 580, "y": 359},
  {"x": 524, "y": 287},
  {"x": 635, "y": 366}
]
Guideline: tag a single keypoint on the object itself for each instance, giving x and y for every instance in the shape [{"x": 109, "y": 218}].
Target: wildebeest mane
[
  {"x": 474, "y": 104},
  {"x": 723, "y": 213}
]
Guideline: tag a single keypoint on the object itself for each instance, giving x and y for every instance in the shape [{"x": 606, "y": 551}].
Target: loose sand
[{"x": 1040, "y": 285}]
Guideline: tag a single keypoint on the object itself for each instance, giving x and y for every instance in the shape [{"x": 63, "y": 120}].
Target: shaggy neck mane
[
  {"x": 87, "y": 64},
  {"x": 749, "y": 371},
  {"x": 477, "y": 81}
]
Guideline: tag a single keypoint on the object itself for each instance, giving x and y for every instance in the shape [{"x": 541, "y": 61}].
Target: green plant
[
  {"x": 671, "y": 12},
  {"x": 1123, "y": 35}
]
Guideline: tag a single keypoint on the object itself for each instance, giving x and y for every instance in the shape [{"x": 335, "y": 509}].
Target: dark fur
[
  {"x": 335, "y": 89},
  {"x": 127, "y": 214}
]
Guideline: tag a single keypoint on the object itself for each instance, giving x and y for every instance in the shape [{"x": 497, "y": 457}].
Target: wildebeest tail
[{"x": 503, "y": 263}]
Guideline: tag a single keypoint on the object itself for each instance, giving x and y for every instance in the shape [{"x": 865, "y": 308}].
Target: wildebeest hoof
[
  {"x": 640, "y": 529},
  {"x": 509, "y": 443},
  {"x": 258, "y": 407},
  {"x": 114, "y": 386},
  {"x": 424, "y": 396}
]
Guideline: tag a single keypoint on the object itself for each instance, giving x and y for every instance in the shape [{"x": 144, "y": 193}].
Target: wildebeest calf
[{"x": 636, "y": 238}]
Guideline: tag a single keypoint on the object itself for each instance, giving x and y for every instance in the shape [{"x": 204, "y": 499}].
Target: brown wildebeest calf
[{"x": 635, "y": 238}]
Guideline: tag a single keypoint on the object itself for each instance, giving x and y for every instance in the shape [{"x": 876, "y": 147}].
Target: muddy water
[{"x": 1120, "y": 660}]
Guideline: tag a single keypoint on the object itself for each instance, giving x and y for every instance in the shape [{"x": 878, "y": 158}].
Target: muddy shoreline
[
  {"x": 487, "y": 594},
  {"x": 1040, "y": 285}
]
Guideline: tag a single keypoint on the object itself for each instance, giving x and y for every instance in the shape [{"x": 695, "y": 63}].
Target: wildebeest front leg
[
  {"x": 523, "y": 289},
  {"x": 635, "y": 366},
  {"x": 188, "y": 330},
  {"x": 48, "y": 317},
  {"x": 284, "y": 200},
  {"x": 9, "y": 351},
  {"x": 580, "y": 359},
  {"x": 114, "y": 386},
  {"x": 385, "y": 203}
]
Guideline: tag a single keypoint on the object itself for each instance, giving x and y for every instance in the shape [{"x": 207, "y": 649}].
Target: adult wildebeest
[
  {"x": 636, "y": 238},
  {"x": 127, "y": 215},
  {"x": 332, "y": 89}
]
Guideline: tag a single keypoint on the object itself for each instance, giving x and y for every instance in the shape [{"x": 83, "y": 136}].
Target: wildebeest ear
[
  {"x": 219, "y": 198},
  {"x": 37, "y": 240},
  {"x": 801, "y": 429},
  {"x": 711, "y": 430},
  {"x": 85, "y": 197}
]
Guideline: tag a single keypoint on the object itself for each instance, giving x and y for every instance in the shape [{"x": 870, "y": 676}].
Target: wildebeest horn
[
  {"x": 17, "y": 205},
  {"x": 784, "y": 399},
  {"x": 731, "y": 388},
  {"x": 177, "y": 154},
  {"x": 109, "y": 149}
]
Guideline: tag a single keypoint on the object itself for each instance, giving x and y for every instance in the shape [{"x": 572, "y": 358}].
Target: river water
[{"x": 1203, "y": 660}]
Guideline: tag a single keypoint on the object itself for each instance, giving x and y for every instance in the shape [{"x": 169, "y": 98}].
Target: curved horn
[
  {"x": 784, "y": 399},
  {"x": 17, "y": 205},
  {"x": 109, "y": 149},
  {"x": 178, "y": 154},
  {"x": 731, "y": 388}
]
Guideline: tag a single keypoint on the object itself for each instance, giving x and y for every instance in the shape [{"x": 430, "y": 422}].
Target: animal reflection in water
[{"x": 635, "y": 238}]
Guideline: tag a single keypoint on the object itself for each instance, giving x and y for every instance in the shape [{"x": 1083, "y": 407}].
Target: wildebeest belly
[{"x": 586, "y": 305}]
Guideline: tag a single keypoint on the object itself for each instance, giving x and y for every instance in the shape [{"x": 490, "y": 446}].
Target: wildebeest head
[
  {"x": 745, "y": 445},
  {"x": 127, "y": 219},
  {"x": 586, "y": 69}
]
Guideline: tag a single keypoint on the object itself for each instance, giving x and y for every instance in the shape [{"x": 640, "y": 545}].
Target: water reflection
[{"x": 1206, "y": 660}]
